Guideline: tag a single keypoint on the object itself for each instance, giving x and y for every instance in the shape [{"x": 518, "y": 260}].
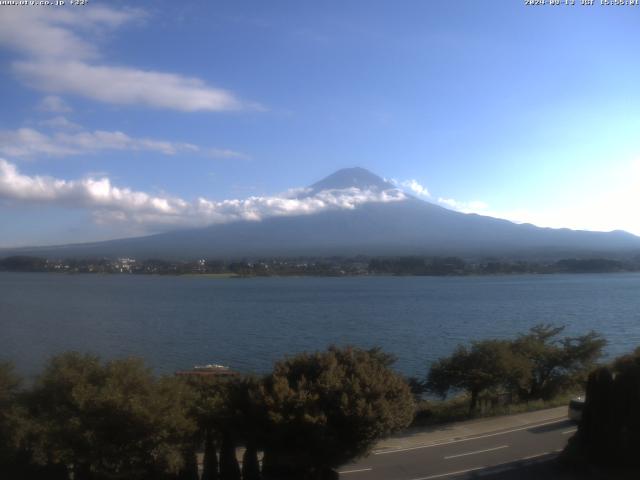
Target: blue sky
[{"x": 120, "y": 121}]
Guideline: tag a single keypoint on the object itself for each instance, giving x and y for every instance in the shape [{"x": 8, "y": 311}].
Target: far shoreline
[{"x": 226, "y": 276}]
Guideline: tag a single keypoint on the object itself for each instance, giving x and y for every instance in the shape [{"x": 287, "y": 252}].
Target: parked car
[{"x": 576, "y": 405}]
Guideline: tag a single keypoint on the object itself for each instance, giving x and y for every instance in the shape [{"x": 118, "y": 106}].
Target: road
[{"x": 463, "y": 457}]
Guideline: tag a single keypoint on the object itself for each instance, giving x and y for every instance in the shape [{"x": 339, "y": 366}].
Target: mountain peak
[{"x": 357, "y": 177}]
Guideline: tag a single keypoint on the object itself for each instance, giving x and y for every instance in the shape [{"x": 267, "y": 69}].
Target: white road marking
[
  {"x": 458, "y": 472},
  {"x": 535, "y": 456},
  {"x": 476, "y": 452},
  {"x": 355, "y": 471},
  {"x": 448, "y": 442},
  {"x": 449, "y": 474},
  {"x": 567, "y": 432}
]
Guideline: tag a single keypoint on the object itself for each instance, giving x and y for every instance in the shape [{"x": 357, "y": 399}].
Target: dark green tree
[
  {"x": 210, "y": 458},
  {"x": 596, "y": 422},
  {"x": 324, "y": 409},
  {"x": 13, "y": 425},
  {"x": 247, "y": 419},
  {"x": 609, "y": 430},
  {"x": 211, "y": 410},
  {"x": 250, "y": 464},
  {"x": 227, "y": 413},
  {"x": 555, "y": 364},
  {"x": 189, "y": 470},
  {"x": 229, "y": 467},
  {"x": 112, "y": 420},
  {"x": 533, "y": 366},
  {"x": 487, "y": 365}
]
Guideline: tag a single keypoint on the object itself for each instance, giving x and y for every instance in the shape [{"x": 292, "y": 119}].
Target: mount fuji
[{"x": 382, "y": 220}]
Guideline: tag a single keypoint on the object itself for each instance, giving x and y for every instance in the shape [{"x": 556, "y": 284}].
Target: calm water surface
[{"x": 177, "y": 322}]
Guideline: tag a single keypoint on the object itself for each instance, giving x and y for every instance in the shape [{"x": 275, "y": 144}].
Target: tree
[
  {"x": 250, "y": 464},
  {"x": 229, "y": 467},
  {"x": 218, "y": 412},
  {"x": 189, "y": 470},
  {"x": 326, "y": 408},
  {"x": 556, "y": 364},
  {"x": 609, "y": 430},
  {"x": 22, "y": 263},
  {"x": 112, "y": 420},
  {"x": 596, "y": 422},
  {"x": 12, "y": 423},
  {"x": 9, "y": 384},
  {"x": 417, "y": 386},
  {"x": 534, "y": 365},
  {"x": 247, "y": 420},
  {"x": 227, "y": 413},
  {"x": 210, "y": 459},
  {"x": 488, "y": 364},
  {"x": 207, "y": 411}
]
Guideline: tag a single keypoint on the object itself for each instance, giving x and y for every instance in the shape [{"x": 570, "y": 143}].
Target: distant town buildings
[{"x": 328, "y": 267}]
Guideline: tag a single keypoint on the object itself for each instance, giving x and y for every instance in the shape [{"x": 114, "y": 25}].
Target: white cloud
[
  {"x": 87, "y": 192},
  {"x": 411, "y": 185},
  {"x": 104, "y": 140},
  {"x": 416, "y": 187},
  {"x": 27, "y": 142},
  {"x": 59, "y": 59},
  {"x": 60, "y": 122},
  {"x": 44, "y": 32},
  {"x": 474, "y": 206},
  {"x": 225, "y": 153},
  {"x": 112, "y": 204},
  {"x": 127, "y": 86},
  {"x": 54, "y": 104}
]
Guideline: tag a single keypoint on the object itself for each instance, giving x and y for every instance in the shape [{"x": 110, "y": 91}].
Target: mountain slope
[
  {"x": 356, "y": 177},
  {"x": 411, "y": 226}
]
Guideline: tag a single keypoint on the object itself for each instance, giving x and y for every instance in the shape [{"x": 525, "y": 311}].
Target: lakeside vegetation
[
  {"x": 537, "y": 369},
  {"x": 535, "y": 366},
  {"x": 90, "y": 419},
  {"x": 329, "y": 266},
  {"x": 115, "y": 420}
]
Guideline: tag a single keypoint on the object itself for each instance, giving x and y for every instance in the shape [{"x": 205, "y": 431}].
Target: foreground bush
[
  {"x": 99, "y": 420},
  {"x": 12, "y": 419},
  {"x": 326, "y": 408},
  {"x": 609, "y": 432},
  {"x": 92, "y": 420}
]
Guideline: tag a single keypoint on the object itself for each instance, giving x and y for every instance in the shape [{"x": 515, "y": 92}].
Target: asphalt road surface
[{"x": 464, "y": 457}]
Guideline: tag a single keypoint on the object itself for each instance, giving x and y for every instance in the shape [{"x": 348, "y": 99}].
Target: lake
[{"x": 247, "y": 324}]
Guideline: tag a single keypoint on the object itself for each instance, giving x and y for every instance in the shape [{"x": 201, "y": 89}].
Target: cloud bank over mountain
[
  {"x": 109, "y": 203},
  {"x": 350, "y": 212}
]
